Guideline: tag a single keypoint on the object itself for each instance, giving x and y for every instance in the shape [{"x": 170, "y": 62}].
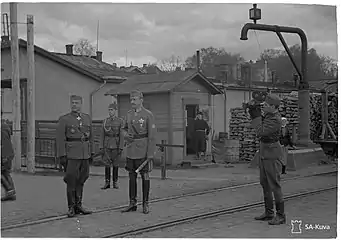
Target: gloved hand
[
  {"x": 63, "y": 162},
  {"x": 129, "y": 138},
  {"x": 91, "y": 159}
]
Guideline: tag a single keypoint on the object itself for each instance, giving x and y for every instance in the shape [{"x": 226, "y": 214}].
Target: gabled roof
[
  {"x": 82, "y": 64},
  {"x": 162, "y": 82}
]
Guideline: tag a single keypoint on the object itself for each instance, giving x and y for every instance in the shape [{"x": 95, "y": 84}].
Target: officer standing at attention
[
  {"x": 75, "y": 148},
  {"x": 7, "y": 155},
  {"x": 111, "y": 143},
  {"x": 267, "y": 123},
  {"x": 140, "y": 136}
]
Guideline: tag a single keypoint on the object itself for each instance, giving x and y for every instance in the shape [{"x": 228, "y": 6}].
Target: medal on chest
[
  {"x": 79, "y": 121},
  {"x": 141, "y": 121}
]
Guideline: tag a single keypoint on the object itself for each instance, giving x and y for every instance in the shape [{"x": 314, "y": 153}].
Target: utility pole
[
  {"x": 15, "y": 86},
  {"x": 31, "y": 97}
]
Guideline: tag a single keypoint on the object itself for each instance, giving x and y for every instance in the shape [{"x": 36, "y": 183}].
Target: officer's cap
[
  {"x": 273, "y": 100},
  {"x": 113, "y": 106},
  {"x": 76, "y": 97},
  {"x": 136, "y": 93}
]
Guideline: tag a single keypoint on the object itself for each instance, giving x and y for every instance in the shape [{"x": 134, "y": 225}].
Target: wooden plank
[{"x": 15, "y": 86}]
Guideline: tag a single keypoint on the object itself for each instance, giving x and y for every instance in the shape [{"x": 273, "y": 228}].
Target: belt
[
  {"x": 111, "y": 135},
  {"x": 200, "y": 130},
  {"x": 77, "y": 139},
  {"x": 269, "y": 141},
  {"x": 139, "y": 136}
]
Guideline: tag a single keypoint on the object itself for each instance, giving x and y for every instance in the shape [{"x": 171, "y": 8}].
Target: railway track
[
  {"x": 114, "y": 208},
  {"x": 210, "y": 214}
]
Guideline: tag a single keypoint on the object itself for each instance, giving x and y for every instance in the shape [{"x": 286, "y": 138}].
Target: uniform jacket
[
  {"x": 74, "y": 136},
  {"x": 141, "y": 126},
  {"x": 6, "y": 143},
  {"x": 268, "y": 130},
  {"x": 111, "y": 133}
]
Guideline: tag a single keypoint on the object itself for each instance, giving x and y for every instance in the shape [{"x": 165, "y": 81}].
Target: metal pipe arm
[{"x": 274, "y": 28}]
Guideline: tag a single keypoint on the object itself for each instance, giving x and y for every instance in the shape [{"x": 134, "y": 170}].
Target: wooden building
[
  {"x": 174, "y": 99},
  {"x": 57, "y": 76}
]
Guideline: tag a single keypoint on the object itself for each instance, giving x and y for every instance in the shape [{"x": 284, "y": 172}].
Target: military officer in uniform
[
  {"x": 111, "y": 143},
  {"x": 140, "y": 136},
  {"x": 266, "y": 120},
  {"x": 7, "y": 155},
  {"x": 75, "y": 150}
]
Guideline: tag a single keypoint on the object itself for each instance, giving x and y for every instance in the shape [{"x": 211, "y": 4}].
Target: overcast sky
[{"x": 151, "y": 32}]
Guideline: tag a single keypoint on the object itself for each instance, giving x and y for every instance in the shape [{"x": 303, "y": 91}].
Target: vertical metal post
[
  {"x": 15, "y": 86},
  {"x": 163, "y": 160},
  {"x": 31, "y": 97}
]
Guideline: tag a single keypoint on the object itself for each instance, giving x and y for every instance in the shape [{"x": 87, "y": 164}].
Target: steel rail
[
  {"x": 210, "y": 214},
  {"x": 109, "y": 209}
]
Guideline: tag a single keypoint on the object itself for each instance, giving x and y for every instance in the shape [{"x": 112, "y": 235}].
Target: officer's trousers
[
  {"x": 77, "y": 172},
  {"x": 270, "y": 172},
  {"x": 6, "y": 179},
  {"x": 131, "y": 166}
]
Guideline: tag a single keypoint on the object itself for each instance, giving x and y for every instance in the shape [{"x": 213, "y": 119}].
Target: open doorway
[{"x": 191, "y": 110}]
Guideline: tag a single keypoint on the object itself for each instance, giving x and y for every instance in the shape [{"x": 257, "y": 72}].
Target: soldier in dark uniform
[
  {"x": 140, "y": 136},
  {"x": 7, "y": 155},
  {"x": 75, "y": 150},
  {"x": 267, "y": 122},
  {"x": 201, "y": 130},
  {"x": 111, "y": 143}
]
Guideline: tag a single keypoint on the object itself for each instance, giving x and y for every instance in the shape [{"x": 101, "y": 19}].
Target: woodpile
[
  {"x": 239, "y": 122},
  {"x": 240, "y": 130}
]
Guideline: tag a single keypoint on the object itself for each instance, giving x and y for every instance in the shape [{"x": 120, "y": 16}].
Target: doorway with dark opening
[{"x": 191, "y": 110}]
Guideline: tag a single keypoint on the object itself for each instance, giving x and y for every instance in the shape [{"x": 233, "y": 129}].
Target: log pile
[
  {"x": 240, "y": 130},
  {"x": 289, "y": 108}
]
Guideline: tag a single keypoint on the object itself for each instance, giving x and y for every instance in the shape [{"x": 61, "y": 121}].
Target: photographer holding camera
[{"x": 266, "y": 120}]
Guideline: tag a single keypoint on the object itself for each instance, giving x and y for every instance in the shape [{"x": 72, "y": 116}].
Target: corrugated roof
[
  {"x": 98, "y": 68},
  {"x": 162, "y": 82}
]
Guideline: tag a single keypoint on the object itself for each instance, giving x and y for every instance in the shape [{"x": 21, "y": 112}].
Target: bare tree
[
  {"x": 170, "y": 64},
  {"x": 84, "y": 47}
]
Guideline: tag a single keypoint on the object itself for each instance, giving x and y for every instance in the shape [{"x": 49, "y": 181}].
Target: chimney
[
  {"x": 115, "y": 65},
  {"x": 69, "y": 49},
  {"x": 144, "y": 65},
  {"x": 198, "y": 60},
  {"x": 99, "y": 56}
]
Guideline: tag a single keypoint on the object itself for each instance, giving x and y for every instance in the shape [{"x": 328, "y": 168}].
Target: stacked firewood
[
  {"x": 240, "y": 130},
  {"x": 239, "y": 122}
]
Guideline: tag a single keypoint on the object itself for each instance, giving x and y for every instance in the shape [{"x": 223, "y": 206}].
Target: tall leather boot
[
  {"x": 280, "y": 215},
  {"x": 107, "y": 178},
  {"x": 145, "y": 195},
  {"x": 115, "y": 177},
  {"x": 269, "y": 212},
  {"x": 7, "y": 183},
  {"x": 79, "y": 209},
  {"x": 70, "y": 195},
  {"x": 132, "y": 193}
]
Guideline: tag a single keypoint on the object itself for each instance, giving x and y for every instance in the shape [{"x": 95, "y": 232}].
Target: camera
[{"x": 255, "y": 104}]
